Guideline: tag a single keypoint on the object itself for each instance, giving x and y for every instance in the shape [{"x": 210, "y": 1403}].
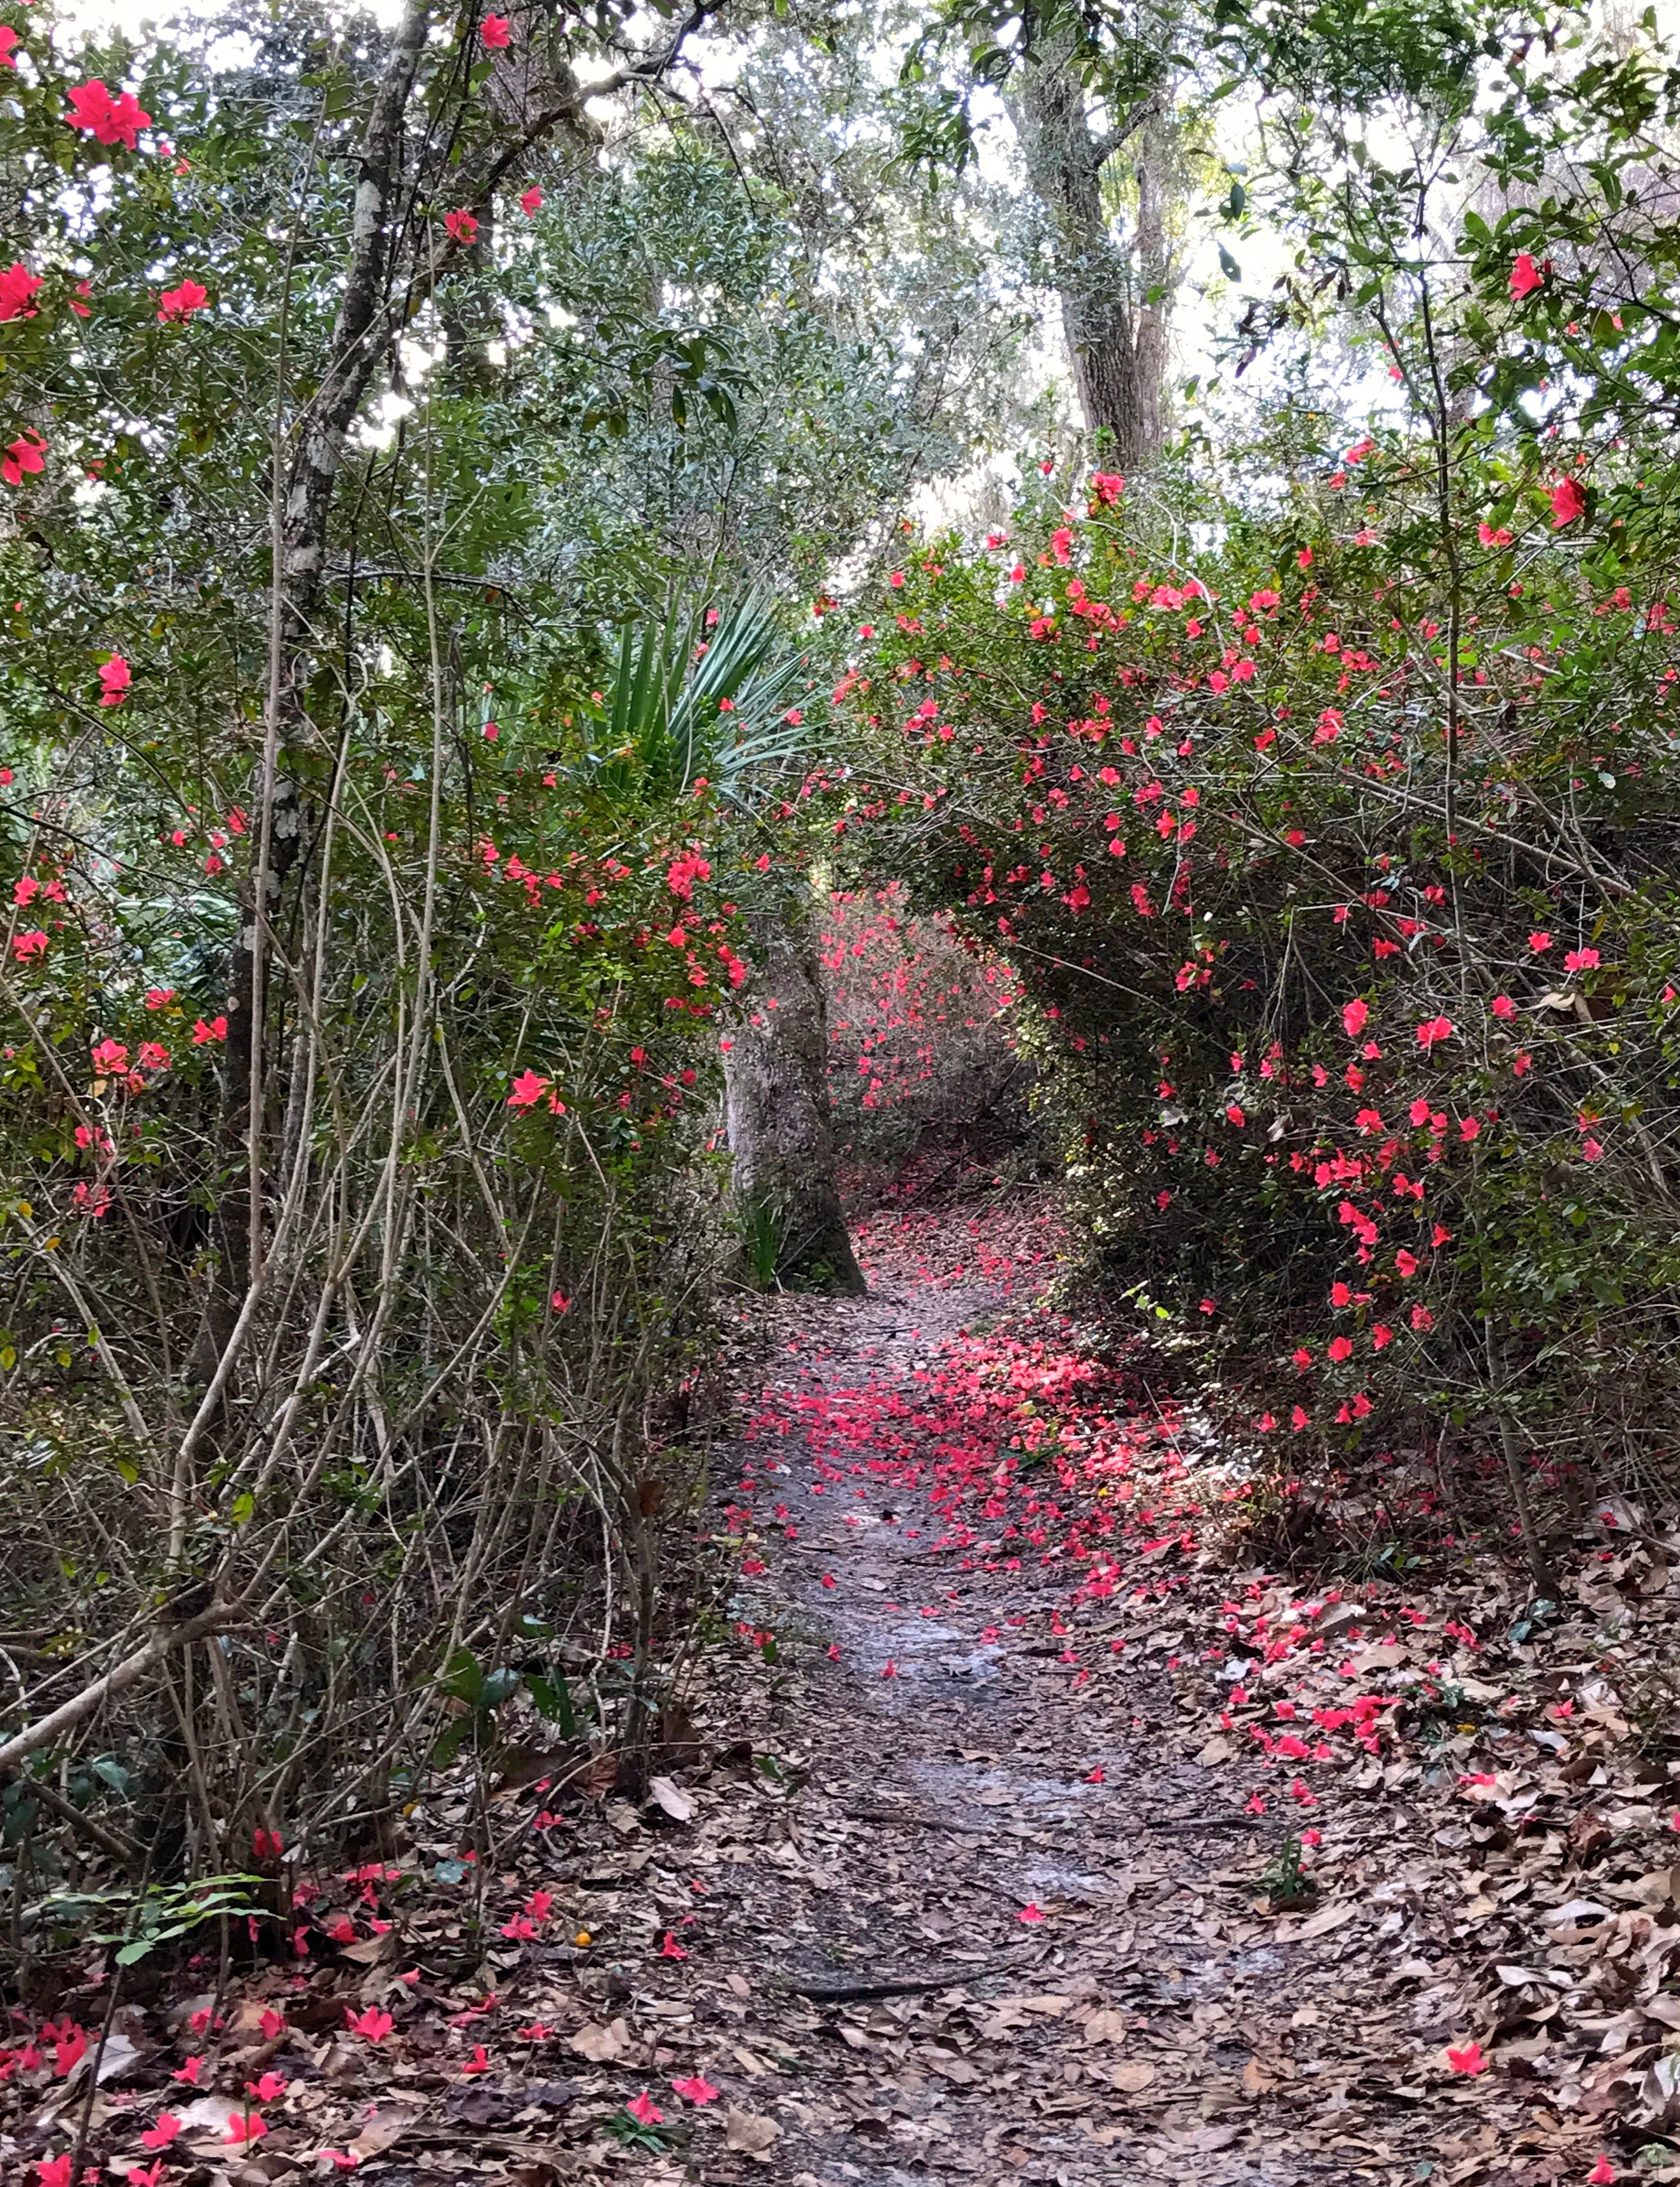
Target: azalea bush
[
  {"x": 1330, "y": 837},
  {"x": 371, "y": 919}
]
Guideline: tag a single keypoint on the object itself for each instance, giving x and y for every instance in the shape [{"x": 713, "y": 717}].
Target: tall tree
[
  {"x": 1092, "y": 95},
  {"x": 1115, "y": 283}
]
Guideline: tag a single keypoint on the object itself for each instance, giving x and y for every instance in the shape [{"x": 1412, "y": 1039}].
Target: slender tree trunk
[
  {"x": 372, "y": 311},
  {"x": 1115, "y": 295},
  {"x": 360, "y": 337},
  {"x": 776, "y": 1105}
]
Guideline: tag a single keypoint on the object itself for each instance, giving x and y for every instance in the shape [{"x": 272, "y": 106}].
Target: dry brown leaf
[
  {"x": 599, "y": 2044},
  {"x": 1132, "y": 2077},
  {"x": 748, "y": 2131},
  {"x": 1333, "y": 1916},
  {"x": 677, "y": 1803},
  {"x": 385, "y": 2126}
]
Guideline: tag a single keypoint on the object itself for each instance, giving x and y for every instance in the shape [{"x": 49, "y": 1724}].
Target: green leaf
[
  {"x": 463, "y": 1678},
  {"x": 552, "y": 1697}
]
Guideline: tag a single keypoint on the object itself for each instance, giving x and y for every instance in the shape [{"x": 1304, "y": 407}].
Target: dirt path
[
  {"x": 967, "y": 1863},
  {"x": 993, "y": 1929}
]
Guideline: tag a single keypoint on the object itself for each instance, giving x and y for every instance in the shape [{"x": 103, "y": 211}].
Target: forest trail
[
  {"x": 1000, "y": 1927},
  {"x": 1017, "y": 1826}
]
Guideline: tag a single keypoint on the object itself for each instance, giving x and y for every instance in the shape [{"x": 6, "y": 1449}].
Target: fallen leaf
[
  {"x": 599, "y": 2044},
  {"x": 1333, "y": 1916},
  {"x": 746, "y": 2130},
  {"x": 384, "y": 2125},
  {"x": 675, "y": 1802},
  {"x": 1132, "y": 2078}
]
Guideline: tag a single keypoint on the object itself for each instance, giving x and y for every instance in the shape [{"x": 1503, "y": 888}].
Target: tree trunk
[
  {"x": 360, "y": 337},
  {"x": 375, "y": 301},
  {"x": 1114, "y": 295},
  {"x": 776, "y": 1107}
]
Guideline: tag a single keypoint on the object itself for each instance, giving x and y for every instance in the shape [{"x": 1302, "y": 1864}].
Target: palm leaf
[{"x": 687, "y": 700}]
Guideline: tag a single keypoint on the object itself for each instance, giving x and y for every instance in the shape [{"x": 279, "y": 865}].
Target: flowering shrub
[
  {"x": 919, "y": 1030},
  {"x": 359, "y": 998},
  {"x": 1364, "y": 1004}
]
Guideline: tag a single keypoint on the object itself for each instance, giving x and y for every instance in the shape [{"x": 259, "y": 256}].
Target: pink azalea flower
[
  {"x": 108, "y": 120},
  {"x": 176, "y": 305},
  {"x": 1569, "y": 501},
  {"x": 17, "y": 286},
  {"x": 23, "y": 459}
]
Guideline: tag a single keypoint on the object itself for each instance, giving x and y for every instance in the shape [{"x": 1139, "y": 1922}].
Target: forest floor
[{"x": 1024, "y": 1828}]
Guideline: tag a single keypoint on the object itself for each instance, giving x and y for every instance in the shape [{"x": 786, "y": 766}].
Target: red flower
[
  {"x": 697, "y": 2089},
  {"x": 17, "y": 286},
  {"x": 108, "y": 120},
  {"x": 494, "y": 32},
  {"x": 1525, "y": 276},
  {"x": 528, "y": 1088},
  {"x": 176, "y": 306},
  {"x": 1469, "y": 2059},
  {"x": 115, "y": 677},
  {"x": 1433, "y": 1030},
  {"x": 530, "y": 200},
  {"x": 23, "y": 456},
  {"x": 1353, "y": 1017},
  {"x": 8, "y": 38},
  {"x": 462, "y": 226},
  {"x": 644, "y": 2109},
  {"x": 1569, "y": 501}
]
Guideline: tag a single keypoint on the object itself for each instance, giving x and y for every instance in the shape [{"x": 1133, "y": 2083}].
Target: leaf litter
[{"x": 1019, "y": 1825}]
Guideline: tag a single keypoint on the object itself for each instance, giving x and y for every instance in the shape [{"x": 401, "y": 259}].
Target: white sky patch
[{"x": 132, "y": 18}]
